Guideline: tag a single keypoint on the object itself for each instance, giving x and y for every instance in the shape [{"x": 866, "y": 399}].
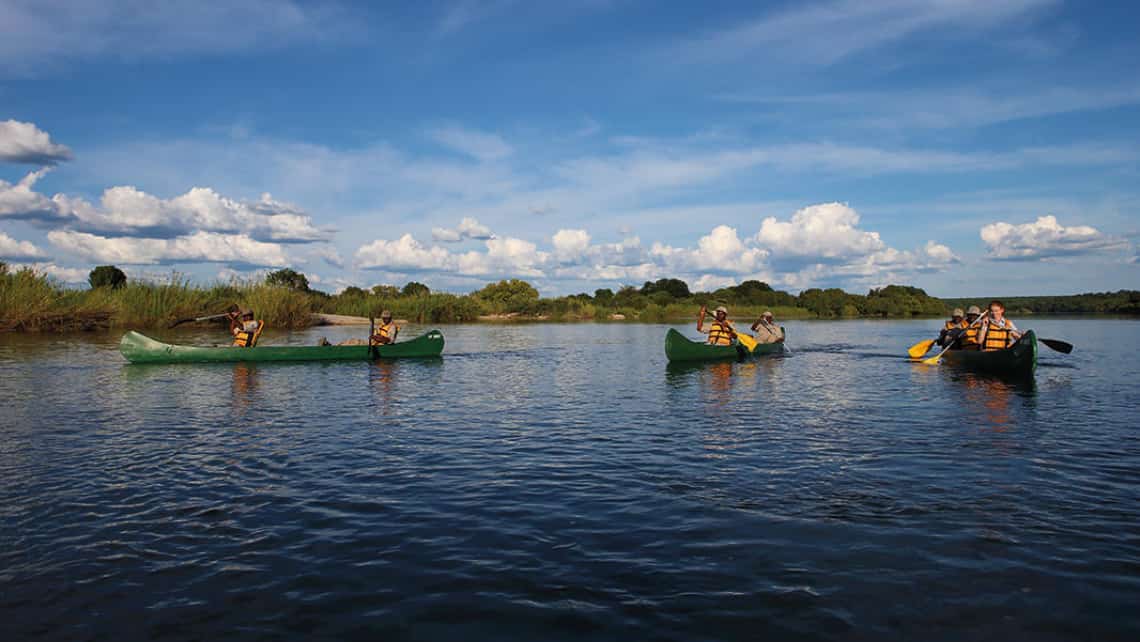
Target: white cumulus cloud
[
  {"x": 129, "y": 211},
  {"x": 1045, "y": 238},
  {"x": 14, "y": 250},
  {"x": 468, "y": 228},
  {"x": 69, "y": 275},
  {"x": 404, "y": 253},
  {"x": 25, "y": 143},
  {"x": 824, "y": 232},
  {"x": 20, "y": 201},
  {"x": 199, "y": 247},
  {"x": 721, "y": 251}
]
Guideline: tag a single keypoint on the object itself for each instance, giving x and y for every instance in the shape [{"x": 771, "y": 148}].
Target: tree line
[{"x": 285, "y": 298}]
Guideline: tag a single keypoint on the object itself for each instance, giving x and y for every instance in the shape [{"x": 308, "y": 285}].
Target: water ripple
[{"x": 561, "y": 482}]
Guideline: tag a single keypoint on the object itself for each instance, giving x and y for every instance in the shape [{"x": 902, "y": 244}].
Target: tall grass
[{"x": 34, "y": 302}]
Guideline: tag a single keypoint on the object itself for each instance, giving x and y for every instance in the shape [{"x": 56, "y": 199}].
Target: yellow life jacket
[
  {"x": 950, "y": 325},
  {"x": 720, "y": 333},
  {"x": 997, "y": 338},
  {"x": 970, "y": 338},
  {"x": 386, "y": 331},
  {"x": 248, "y": 338}
]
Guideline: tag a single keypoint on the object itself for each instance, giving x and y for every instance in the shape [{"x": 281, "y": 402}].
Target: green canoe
[
  {"x": 678, "y": 348},
  {"x": 1018, "y": 359},
  {"x": 139, "y": 348}
]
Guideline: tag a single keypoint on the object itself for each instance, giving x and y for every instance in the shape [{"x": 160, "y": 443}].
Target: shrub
[
  {"x": 289, "y": 278},
  {"x": 106, "y": 276}
]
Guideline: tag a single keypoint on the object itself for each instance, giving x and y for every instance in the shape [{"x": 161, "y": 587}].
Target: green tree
[
  {"x": 353, "y": 292},
  {"x": 676, "y": 288},
  {"x": 603, "y": 296},
  {"x": 107, "y": 276},
  {"x": 386, "y": 291},
  {"x": 629, "y": 297},
  {"x": 288, "y": 278},
  {"x": 414, "y": 288},
  {"x": 514, "y": 295}
]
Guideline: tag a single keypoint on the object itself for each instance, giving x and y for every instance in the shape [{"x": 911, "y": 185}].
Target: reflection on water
[
  {"x": 989, "y": 398},
  {"x": 563, "y": 482},
  {"x": 243, "y": 386},
  {"x": 381, "y": 379}
]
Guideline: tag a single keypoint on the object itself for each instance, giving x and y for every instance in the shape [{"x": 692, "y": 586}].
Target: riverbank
[{"x": 31, "y": 302}]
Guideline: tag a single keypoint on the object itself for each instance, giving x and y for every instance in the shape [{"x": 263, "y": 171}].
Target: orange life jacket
[
  {"x": 384, "y": 331},
  {"x": 248, "y": 338},
  {"x": 997, "y": 338},
  {"x": 721, "y": 333},
  {"x": 950, "y": 325}
]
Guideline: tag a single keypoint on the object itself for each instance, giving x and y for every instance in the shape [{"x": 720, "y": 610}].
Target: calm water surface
[{"x": 561, "y": 482}]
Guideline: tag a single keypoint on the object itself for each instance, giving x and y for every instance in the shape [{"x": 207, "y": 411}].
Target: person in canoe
[
  {"x": 766, "y": 329},
  {"x": 720, "y": 331},
  {"x": 948, "y": 333},
  {"x": 244, "y": 327},
  {"x": 997, "y": 332},
  {"x": 968, "y": 340},
  {"x": 387, "y": 330}
]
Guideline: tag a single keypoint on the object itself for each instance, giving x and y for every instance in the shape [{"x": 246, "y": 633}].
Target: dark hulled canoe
[
  {"x": 139, "y": 348},
  {"x": 1018, "y": 359},
  {"x": 679, "y": 348}
]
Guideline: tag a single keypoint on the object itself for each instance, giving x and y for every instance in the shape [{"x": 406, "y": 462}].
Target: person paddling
[
  {"x": 766, "y": 329},
  {"x": 244, "y": 327},
  {"x": 956, "y": 322},
  {"x": 720, "y": 331},
  {"x": 387, "y": 330},
  {"x": 968, "y": 340},
  {"x": 998, "y": 332}
]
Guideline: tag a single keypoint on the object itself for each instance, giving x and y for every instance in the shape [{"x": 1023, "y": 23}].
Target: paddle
[
  {"x": 920, "y": 348},
  {"x": 371, "y": 331},
  {"x": 189, "y": 319},
  {"x": 747, "y": 341},
  {"x": 936, "y": 358},
  {"x": 1060, "y": 346}
]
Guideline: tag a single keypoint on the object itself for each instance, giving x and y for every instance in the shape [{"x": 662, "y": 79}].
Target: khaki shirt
[{"x": 769, "y": 333}]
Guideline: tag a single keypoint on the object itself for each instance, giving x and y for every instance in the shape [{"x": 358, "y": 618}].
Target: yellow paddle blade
[
  {"x": 933, "y": 360},
  {"x": 920, "y": 348},
  {"x": 746, "y": 341}
]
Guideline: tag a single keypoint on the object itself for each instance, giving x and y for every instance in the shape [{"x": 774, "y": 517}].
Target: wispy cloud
[
  {"x": 479, "y": 145},
  {"x": 948, "y": 108},
  {"x": 35, "y": 33},
  {"x": 822, "y": 34}
]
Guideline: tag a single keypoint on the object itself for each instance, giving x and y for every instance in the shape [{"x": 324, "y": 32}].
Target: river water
[{"x": 544, "y": 482}]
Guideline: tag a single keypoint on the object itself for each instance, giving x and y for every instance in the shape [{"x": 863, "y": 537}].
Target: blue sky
[{"x": 969, "y": 147}]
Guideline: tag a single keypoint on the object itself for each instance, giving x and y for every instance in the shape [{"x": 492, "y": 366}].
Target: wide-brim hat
[
  {"x": 957, "y": 312},
  {"x": 973, "y": 309},
  {"x": 721, "y": 308}
]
